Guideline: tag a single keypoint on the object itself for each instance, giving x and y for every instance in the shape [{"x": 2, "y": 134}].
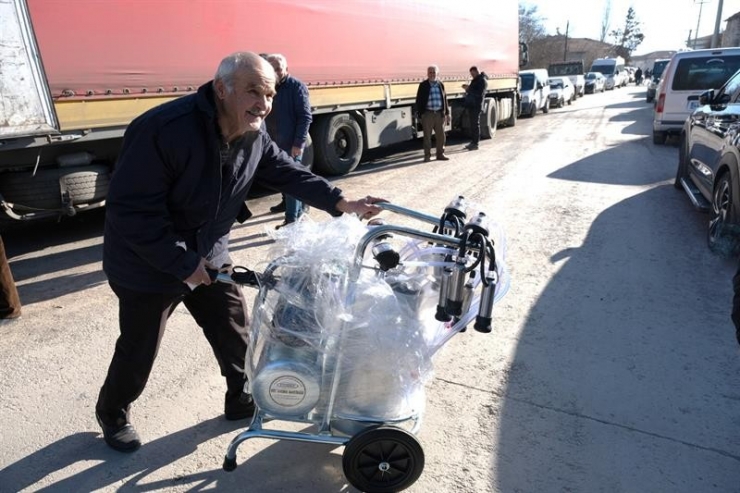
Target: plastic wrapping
[{"x": 331, "y": 343}]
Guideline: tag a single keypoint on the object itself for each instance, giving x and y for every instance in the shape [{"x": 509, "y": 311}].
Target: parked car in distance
[
  {"x": 535, "y": 91},
  {"x": 687, "y": 75},
  {"x": 655, "y": 74},
  {"x": 709, "y": 163},
  {"x": 561, "y": 91},
  {"x": 595, "y": 82}
]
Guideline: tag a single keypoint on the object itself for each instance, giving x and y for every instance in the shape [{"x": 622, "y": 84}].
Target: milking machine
[{"x": 346, "y": 321}]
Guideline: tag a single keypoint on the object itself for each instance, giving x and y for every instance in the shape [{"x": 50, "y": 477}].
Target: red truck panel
[{"x": 100, "y": 45}]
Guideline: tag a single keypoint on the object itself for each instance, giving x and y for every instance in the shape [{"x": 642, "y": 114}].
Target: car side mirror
[
  {"x": 539, "y": 85},
  {"x": 706, "y": 97}
]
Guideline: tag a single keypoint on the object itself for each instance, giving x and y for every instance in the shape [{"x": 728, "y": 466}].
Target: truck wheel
[
  {"x": 337, "y": 144},
  {"x": 533, "y": 110},
  {"x": 489, "y": 119},
  {"x": 546, "y": 109},
  {"x": 308, "y": 153},
  {"x": 511, "y": 121},
  {"x": 84, "y": 184}
]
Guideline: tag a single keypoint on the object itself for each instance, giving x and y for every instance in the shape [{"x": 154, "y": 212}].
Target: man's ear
[{"x": 220, "y": 89}]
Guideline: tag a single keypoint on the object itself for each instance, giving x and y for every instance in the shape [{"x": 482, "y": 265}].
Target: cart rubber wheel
[{"x": 383, "y": 459}]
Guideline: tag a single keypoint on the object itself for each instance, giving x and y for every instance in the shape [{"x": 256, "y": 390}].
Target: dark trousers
[
  {"x": 219, "y": 309},
  {"x": 10, "y": 303},
  {"x": 474, "y": 116}
]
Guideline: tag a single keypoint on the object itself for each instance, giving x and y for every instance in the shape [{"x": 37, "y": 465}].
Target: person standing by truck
[
  {"x": 182, "y": 176},
  {"x": 432, "y": 108},
  {"x": 474, "y": 94},
  {"x": 10, "y": 302},
  {"x": 288, "y": 124}
]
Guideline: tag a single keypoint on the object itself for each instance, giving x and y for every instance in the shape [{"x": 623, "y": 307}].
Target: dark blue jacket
[
  {"x": 477, "y": 89},
  {"x": 290, "y": 117},
  {"x": 168, "y": 191}
]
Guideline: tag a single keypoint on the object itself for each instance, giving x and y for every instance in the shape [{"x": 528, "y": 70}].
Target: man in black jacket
[
  {"x": 180, "y": 181},
  {"x": 432, "y": 108},
  {"x": 474, "y": 94}
]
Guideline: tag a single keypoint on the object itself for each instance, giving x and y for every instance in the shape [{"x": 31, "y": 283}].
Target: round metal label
[{"x": 287, "y": 391}]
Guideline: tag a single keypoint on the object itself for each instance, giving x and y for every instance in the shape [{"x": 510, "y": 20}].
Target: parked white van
[
  {"x": 613, "y": 70},
  {"x": 535, "y": 90},
  {"x": 687, "y": 75}
]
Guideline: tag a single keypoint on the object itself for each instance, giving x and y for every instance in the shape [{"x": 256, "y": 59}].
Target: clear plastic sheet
[{"x": 367, "y": 338}]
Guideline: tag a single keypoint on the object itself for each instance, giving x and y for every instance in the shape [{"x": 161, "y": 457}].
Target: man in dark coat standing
[
  {"x": 474, "y": 94},
  {"x": 181, "y": 179}
]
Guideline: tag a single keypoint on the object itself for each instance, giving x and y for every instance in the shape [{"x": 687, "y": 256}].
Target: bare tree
[
  {"x": 606, "y": 20},
  {"x": 531, "y": 24}
]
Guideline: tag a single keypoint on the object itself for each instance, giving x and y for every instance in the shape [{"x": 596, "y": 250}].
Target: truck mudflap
[{"x": 54, "y": 192}]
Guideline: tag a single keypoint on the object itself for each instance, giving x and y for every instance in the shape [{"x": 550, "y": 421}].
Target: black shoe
[
  {"x": 442, "y": 157},
  {"x": 427, "y": 159},
  {"x": 472, "y": 147},
  {"x": 278, "y": 208},
  {"x": 283, "y": 224},
  {"x": 242, "y": 408},
  {"x": 121, "y": 437}
]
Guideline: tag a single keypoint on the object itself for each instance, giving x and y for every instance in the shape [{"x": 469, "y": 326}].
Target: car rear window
[
  {"x": 658, "y": 68},
  {"x": 709, "y": 72}
]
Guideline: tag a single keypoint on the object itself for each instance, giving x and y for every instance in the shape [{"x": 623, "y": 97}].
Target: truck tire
[
  {"x": 511, "y": 121},
  {"x": 308, "y": 153},
  {"x": 84, "y": 184},
  {"x": 489, "y": 119},
  {"x": 338, "y": 145}
]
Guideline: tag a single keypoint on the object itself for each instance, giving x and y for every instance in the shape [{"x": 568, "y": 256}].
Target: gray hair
[
  {"x": 280, "y": 59},
  {"x": 232, "y": 64},
  {"x": 436, "y": 68}
]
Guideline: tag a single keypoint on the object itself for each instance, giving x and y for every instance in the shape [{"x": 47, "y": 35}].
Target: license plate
[{"x": 692, "y": 105}]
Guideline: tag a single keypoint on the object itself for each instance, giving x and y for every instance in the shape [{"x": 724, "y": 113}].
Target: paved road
[{"x": 612, "y": 366}]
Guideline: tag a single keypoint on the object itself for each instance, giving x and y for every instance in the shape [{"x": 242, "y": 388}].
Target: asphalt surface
[{"x": 612, "y": 366}]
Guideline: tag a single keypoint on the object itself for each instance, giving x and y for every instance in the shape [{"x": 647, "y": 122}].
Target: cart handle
[{"x": 408, "y": 212}]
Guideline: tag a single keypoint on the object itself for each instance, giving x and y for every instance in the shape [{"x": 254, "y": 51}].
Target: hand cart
[{"x": 345, "y": 344}]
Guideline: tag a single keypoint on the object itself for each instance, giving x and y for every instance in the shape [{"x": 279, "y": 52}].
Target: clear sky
[{"x": 665, "y": 23}]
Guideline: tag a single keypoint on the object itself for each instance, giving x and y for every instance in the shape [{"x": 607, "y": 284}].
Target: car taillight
[{"x": 661, "y": 102}]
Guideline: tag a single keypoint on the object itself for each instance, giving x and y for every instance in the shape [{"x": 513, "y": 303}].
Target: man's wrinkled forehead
[{"x": 261, "y": 80}]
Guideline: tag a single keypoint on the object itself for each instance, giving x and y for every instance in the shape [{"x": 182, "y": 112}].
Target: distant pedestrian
[
  {"x": 638, "y": 76},
  {"x": 432, "y": 108},
  {"x": 288, "y": 125},
  {"x": 10, "y": 302},
  {"x": 474, "y": 94}
]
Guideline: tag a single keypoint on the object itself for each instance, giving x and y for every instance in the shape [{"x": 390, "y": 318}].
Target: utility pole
[
  {"x": 715, "y": 35},
  {"x": 565, "y": 51},
  {"x": 698, "y": 20}
]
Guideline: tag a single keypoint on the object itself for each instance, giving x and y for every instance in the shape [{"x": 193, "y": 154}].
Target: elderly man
[
  {"x": 288, "y": 124},
  {"x": 181, "y": 180},
  {"x": 432, "y": 108}
]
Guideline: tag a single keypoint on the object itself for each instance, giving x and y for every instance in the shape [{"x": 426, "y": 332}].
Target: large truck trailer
[{"x": 74, "y": 73}]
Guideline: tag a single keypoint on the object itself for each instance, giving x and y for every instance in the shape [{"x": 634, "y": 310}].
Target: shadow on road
[
  {"x": 282, "y": 466},
  {"x": 609, "y": 390},
  {"x": 630, "y": 163}
]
